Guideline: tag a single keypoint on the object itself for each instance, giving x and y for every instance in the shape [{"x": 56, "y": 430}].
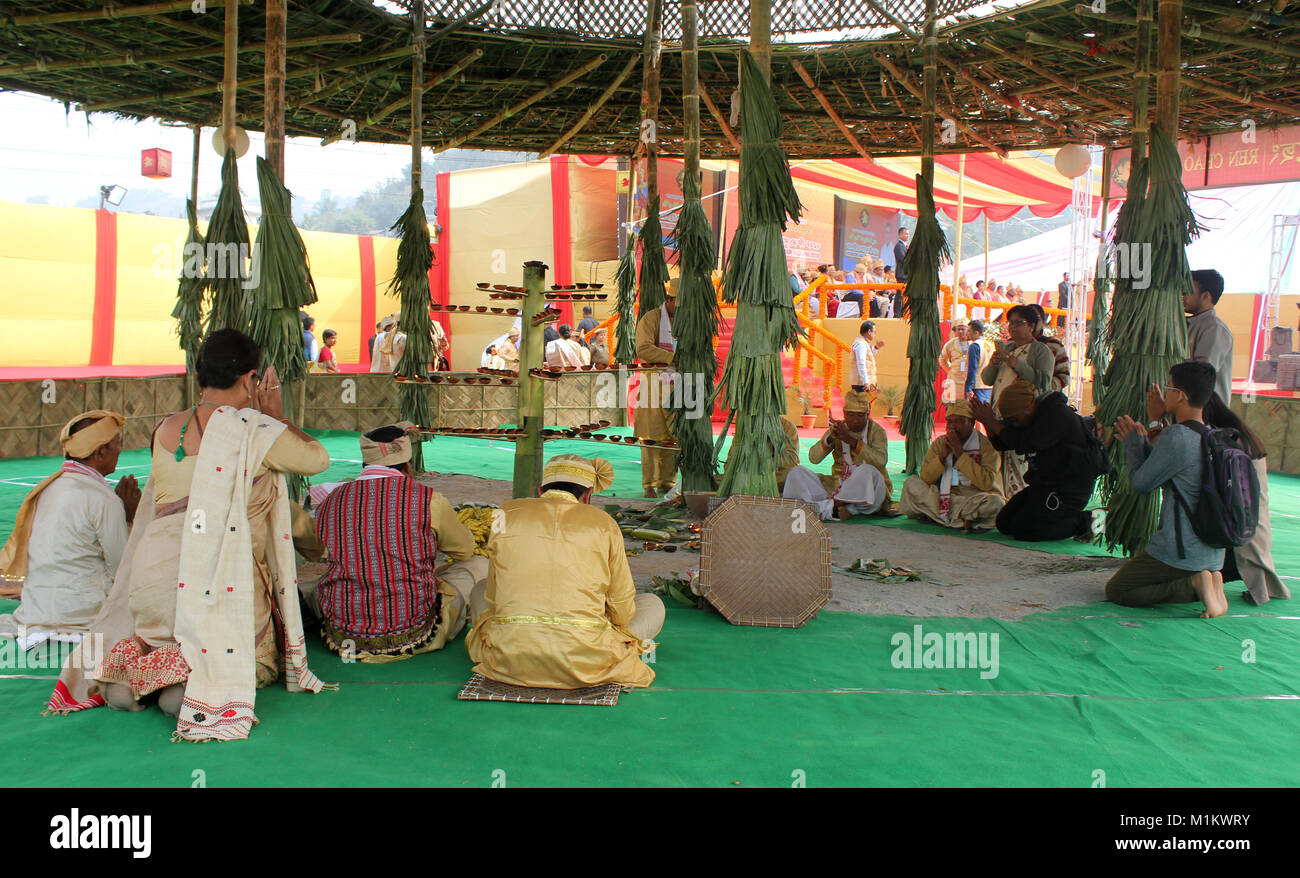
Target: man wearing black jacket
[
  {"x": 1061, "y": 473},
  {"x": 900, "y": 250}
]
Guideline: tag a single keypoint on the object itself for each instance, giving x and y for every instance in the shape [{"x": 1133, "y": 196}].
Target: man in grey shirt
[
  {"x": 1161, "y": 573},
  {"x": 1208, "y": 338}
]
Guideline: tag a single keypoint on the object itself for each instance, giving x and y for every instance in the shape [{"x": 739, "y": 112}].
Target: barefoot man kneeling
[{"x": 1170, "y": 569}]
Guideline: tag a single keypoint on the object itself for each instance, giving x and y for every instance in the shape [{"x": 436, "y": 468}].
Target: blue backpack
[{"x": 1227, "y": 512}]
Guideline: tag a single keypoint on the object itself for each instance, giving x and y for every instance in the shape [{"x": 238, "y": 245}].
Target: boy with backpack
[{"x": 1208, "y": 490}]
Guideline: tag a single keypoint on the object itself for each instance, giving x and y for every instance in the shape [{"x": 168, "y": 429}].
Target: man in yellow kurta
[
  {"x": 960, "y": 482},
  {"x": 861, "y": 488},
  {"x": 560, "y": 610},
  {"x": 655, "y": 345}
]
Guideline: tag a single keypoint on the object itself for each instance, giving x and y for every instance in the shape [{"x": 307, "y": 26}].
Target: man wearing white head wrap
[
  {"x": 960, "y": 483},
  {"x": 560, "y": 610},
  {"x": 858, "y": 484},
  {"x": 384, "y": 597},
  {"x": 70, "y": 532}
]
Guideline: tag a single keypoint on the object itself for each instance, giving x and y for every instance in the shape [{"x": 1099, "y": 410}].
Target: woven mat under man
[{"x": 480, "y": 688}]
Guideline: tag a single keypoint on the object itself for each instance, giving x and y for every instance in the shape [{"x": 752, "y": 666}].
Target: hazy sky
[{"x": 45, "y": 152}]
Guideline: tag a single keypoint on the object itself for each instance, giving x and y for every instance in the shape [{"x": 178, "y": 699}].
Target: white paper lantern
[
  {"x": 1073, "y": 161},
  {"x": 241, "y": 142}
]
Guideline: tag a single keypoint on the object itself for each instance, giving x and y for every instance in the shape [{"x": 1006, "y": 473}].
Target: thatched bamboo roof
[{"x": 1026, "y": 76}]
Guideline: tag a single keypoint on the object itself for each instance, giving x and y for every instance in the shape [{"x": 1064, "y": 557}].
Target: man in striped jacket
[{"x": 384, "y": 597}]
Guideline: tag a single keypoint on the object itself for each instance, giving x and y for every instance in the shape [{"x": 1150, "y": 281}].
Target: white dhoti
[{"x": 863, "y": 491}]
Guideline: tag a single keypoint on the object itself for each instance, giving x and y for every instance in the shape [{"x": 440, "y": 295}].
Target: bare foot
[
  {"x": 651, "y": 493},
  {"x": 1209, "y": 588},
  {"x": 842, "y": 511}
]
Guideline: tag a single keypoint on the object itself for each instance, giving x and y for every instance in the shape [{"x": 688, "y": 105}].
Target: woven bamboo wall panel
[{"x": 30, "y": 426}]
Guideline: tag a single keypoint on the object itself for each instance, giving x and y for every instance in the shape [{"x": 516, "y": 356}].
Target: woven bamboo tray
[{"x": 765, "y": 561}]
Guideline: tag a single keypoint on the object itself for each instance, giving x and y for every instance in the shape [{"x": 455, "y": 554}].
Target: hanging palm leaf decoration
[
  {"x": 625, "y": 347},
  {"x": 756, "y": 279},
  {"x": 189, "y": 294},
  {"x": 654, "y": 267},
  {"x": 227, "y": 242},
  {"x": 1148, "y": 328},
  {"x": 1098, "y": 353},
  {"x": 411, "y": 284},
  {"x": 695, "y": 324},
  {"x": 921, "y": 306},
  {"x": 284, "y": 285}
]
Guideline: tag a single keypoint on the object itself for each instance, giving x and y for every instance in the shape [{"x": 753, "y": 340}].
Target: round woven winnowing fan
[{"x": 765, "y": 561}]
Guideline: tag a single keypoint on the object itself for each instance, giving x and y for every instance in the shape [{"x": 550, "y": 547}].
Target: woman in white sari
[{"x": 204, "y": 608}]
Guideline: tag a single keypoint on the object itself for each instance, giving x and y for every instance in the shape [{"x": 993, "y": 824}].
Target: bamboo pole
[
  {"x": 593, "y": 109},
  {"x": 719, "y": 118},
  {"x": 228, "y": 87},
  {"x": 114, "y": 12},
  {"x": 1142, "y": 77},
  {"x": 1169, "y": 56},
  {"x": 522, "y": 105},
  {"x": 532, "y": 397},
  {"x": 961, "y": 222},
  {"x": 252, "y": 82},
  {"x": 986, "y": 248},
  {"x": 435, "y": 80},
  {"x": 417, "y": 96},
  {"x": 274, "y": 62},
  {"x": 401, "y": 136},
  {"x": 907, "y": 83},
  {"x": 931, "y": 58},
  {"x": 690, "y": 89},
  {"x": 171, "y": 57},
  {"x": 1215, "y": 87},
  {"x": 651, "y": 94},
  {"x": 760, "y": 36},
  {"x": 1041, "y": 117},
  {"x": 895, "y": 21},
  {"x": 830, "y": 111},
  {"x": 1056, "y": 80}
]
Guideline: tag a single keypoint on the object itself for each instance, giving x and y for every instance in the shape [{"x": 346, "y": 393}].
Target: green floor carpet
[
  {"x": 1134, "y": 697},
  {"x": 1149, "y": 698}
]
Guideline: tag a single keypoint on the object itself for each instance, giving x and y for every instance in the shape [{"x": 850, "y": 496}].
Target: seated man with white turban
[
  {"x": 858, "y": 484},
  {"x": 560, "y": 610},
  {"x": 384, "y": 597},
  {"x": 70, "y": 533},
  {"x": 959, "y": 484}
]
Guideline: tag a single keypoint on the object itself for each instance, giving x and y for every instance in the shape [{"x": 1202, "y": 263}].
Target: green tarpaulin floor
[{"x": 1080, "y": 696}]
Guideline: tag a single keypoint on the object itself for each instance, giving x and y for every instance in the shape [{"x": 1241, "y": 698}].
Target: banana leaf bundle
[
  {"x": 411, "y": 283},
  {"x": 284, "y": 284},
  {"x": 695, "y": 324},
  {"x": 227, "y": 244},
  {"x": 757, "y": 280},
  {"x": 1148, "y": 329},
  {"x": 654, "y": 266},
  {"x": 189, "y": 294},
  {"x": 756, "y": 267},
  {"x": 625, "y": 341},
  {"x": 921, "y": 306}
]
